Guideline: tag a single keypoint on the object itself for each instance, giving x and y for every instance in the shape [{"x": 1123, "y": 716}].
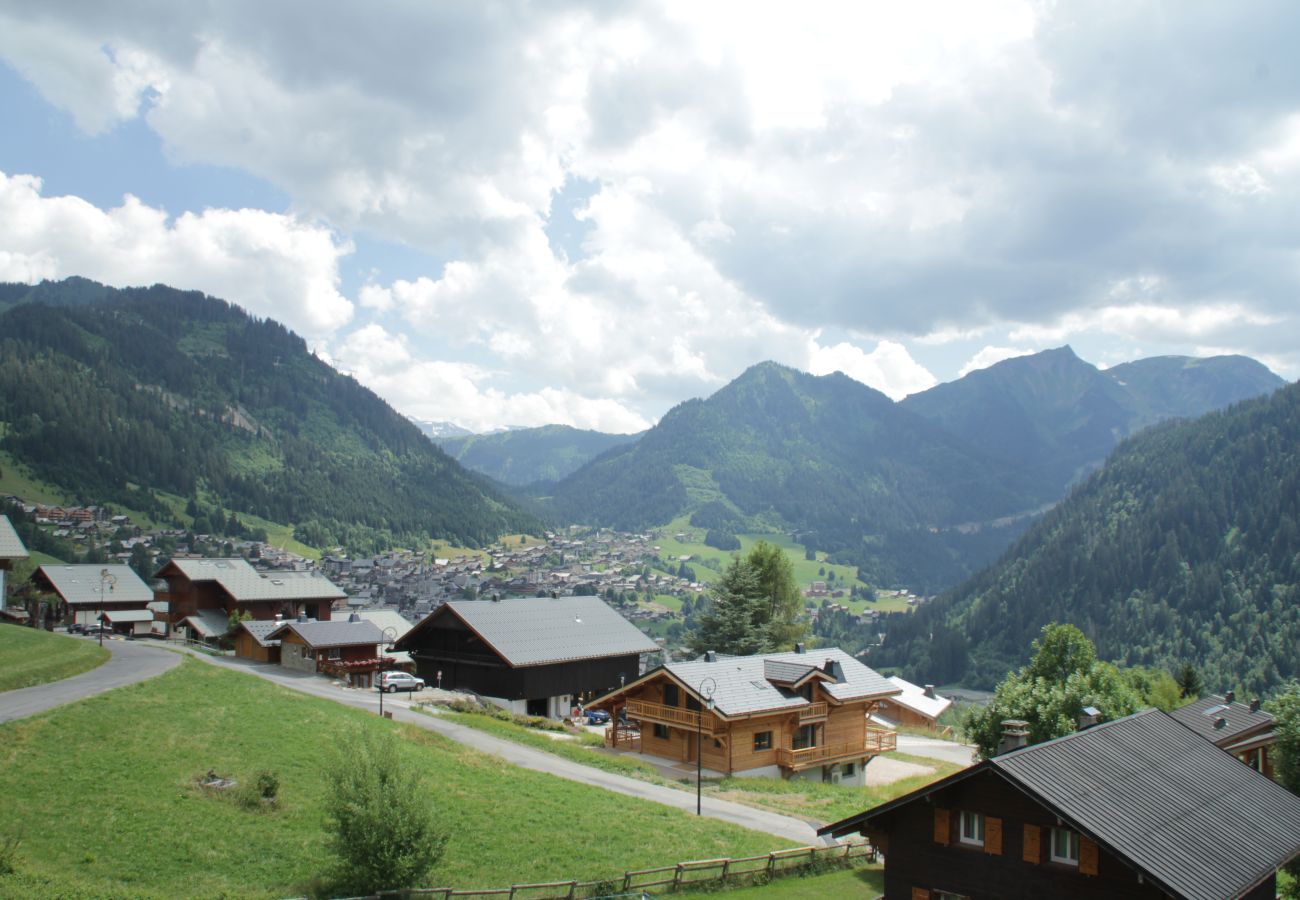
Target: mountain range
[
  {"x": 524, "y": 456},
  {"x": 114, "y": 395},
  {"x": 1183, "y": 549}
]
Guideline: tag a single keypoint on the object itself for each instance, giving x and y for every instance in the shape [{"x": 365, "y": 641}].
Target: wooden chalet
[
  {"x": 11, "y": 551},
  {"x": 914, "y": 706},
  {"x": 203, "y": 593},
  {"x": 537, "y": 656},
  {"x": 88, "y": 591},
  {"x": 798, "y": 714},
  {"x": 342, "y": 649},
  {"x": 253, "y": 641},
  {"x": 1245, "y": 731},
  {"x": 1140, "y": 807}
]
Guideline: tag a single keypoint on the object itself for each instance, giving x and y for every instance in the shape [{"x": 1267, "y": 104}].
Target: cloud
[
  {"x": 272, "y": 265},
  {"x": 889, "y": 368},
  {"x": 990, "y": 355}
]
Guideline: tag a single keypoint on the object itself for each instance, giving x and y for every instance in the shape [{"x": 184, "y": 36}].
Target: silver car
[{"x": 391, "y": 682}]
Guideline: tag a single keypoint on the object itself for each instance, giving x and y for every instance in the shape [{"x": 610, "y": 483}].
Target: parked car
[
  {"x": 597, "y": 717},
  {"x": 391, "y": 682}
]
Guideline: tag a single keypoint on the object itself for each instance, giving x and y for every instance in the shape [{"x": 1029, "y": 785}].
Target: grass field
[
  {"x": 29, "y": 656},
  {"x": 864, "y": 881},
  {"x": 102, "y": 795}
]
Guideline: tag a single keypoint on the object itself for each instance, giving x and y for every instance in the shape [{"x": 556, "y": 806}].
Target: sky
[{"x": 514, "y": 214}]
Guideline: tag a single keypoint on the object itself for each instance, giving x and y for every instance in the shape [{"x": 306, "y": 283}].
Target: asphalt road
[
  {"x": 131, "y": 661},
  {"x": 947, "y": 751}
]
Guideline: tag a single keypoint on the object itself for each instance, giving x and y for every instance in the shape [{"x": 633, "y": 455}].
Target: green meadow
[{"x": 29, "y": 657}]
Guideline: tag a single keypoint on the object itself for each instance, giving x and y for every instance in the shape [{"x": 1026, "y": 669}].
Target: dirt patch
[{"x": 884, "y": 770}]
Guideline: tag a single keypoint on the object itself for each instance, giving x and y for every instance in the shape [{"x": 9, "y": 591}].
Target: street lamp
[
  {"x": 387, "y": 642},
  {"x": 707, "y": 687},
  {"x": 105, "y": 578}
]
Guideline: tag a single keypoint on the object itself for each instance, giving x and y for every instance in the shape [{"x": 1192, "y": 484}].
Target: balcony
[
  {"x": 670, "y": 715},
  {"x": 876, "y": 741},
  {"x": 813, "y": 713}
]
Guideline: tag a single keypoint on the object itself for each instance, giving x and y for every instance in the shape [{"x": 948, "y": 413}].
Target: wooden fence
[{"x": 666, "y": 878}]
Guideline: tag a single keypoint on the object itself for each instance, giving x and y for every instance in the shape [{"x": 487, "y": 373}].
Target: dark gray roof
[
  {"x": 539, "y": 630},
  {"x": 742, "y": 685},
  {"x": 1191, "y": 818},
  {"x": 82, "y": 584},
  {"x": 247, "y": 585},
  {"x": 1201, "y": 716},
  {"x": 260, "y": 630},
  {"x": 786, "y": 672},
  {"x": 335, "y": 633}
]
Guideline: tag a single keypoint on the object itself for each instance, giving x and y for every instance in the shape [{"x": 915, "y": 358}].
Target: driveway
[
  {"x": 131, "y": 661},
  {"x": 934, "y": 748}
]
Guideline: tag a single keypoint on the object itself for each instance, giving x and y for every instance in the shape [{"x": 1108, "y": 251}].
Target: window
[
  {"x": 805, "y": 737},
  {"x": 670, "y": 695},
  {"x": 661, "y": 731},
  {"x": 1065, "y": 846},
  {"x": 849, "y": 770},
  {"x": 336, "y": 652},
  {"x": 972, "y": 828},
  {"x": 762, "y": 740}
]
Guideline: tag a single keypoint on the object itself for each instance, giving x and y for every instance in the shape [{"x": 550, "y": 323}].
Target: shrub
[{"x": 383, "y": 824}]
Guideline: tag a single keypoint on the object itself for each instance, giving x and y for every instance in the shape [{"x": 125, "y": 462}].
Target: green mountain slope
[
  {"x": 1057, "y": 417},
  {"x": 528, "y": 455},
  {"x": 824, "y": 456},
  {"x": 1185, "y": 547},
  {"x": 103, "y": 391}
]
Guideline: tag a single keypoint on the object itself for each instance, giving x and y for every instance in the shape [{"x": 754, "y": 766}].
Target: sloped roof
[
  {"x": 1201, "y": 715},
  {"x": 742, "y": 685},
  {"x": 913, "y": 696},
  {"x": 386, "y": 618},
  {"x": 335, "y": 633},
  {"x": 82, "y": 584},
  {"x": 538, "y": 630},
  {"x": 260, "y": 629},
  {"x": 1168, "y": 803},
  {"x": 209, "y": 623},
  {"x": 11, "y": 546},
  {"x": 244, "y": 583},
  {"x": 128, "y": 615}
]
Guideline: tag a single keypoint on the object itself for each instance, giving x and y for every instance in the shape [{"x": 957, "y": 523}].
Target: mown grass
[
  {"x": 102, "y": 794},
  {"x": 29, "y": 657},
  {"x": 859, "y": 881}
]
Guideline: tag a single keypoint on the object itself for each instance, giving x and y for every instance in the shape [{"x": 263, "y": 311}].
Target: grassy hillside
[
  {"x": 102, "y": 795},
  {"x": 29, "y": 657},
  {"x": 527, "y": 455}
]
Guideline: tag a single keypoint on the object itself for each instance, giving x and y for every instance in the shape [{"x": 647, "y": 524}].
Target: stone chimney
[
  {"x": 710, "y": 656},
  {"x": 799, "y": 648},
  {"x": 1254, "y": 705},
  {"x": 1230, "y": 697},
  {"x": 1088, "y": 717},
  {"x": 1015, "y": 734},
  {"x": 929, "y": 691}
]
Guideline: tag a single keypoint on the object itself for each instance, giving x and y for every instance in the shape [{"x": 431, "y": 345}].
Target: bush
[{"x": 381, "y": 817}]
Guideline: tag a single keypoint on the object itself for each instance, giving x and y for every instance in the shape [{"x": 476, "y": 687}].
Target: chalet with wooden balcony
[
  {"x": 800, "y": 714},
  {"x": 203, "y": 593},
  {"x": 88, "y": 591},
  {"x": 1139, "y": 807},
  {"x": 537, "y": 656},
  {"x": 348, "y": 650}
]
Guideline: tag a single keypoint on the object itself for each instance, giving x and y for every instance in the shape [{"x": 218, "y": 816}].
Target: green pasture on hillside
[
  {"x": 102, "y": 795},
  {"x": 29, "y": 657}
]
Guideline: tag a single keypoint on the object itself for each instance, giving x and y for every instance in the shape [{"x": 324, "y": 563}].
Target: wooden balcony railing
[
  {"x": 669, "y": 715},
  {"x": 623, "y": 739},
  {"x": 876, "y": 741},
  {"x": 813, "y": 712}
]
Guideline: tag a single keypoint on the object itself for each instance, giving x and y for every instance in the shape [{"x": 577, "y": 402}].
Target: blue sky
[{"x": 501, "y": 214}]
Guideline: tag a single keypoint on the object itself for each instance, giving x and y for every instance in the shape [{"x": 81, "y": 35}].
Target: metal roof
[
  {"x": 538, "y": 630},
  {"x": 742, "y": 685},
  {"x": 245, "y": 584},
  {"x": 335, "y": 633},
  {"x": 913, "y": 696},
  {"x": 83, "y": 584},
  {"x": 1201, "y": 715},
  {"x": 128, "y": 615},
  {"x": 11, "y": 546},
  {"x": 209, "y": 623}
]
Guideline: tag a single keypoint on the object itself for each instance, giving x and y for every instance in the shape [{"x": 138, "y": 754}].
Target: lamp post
[
  {"x": 707, "y": 687},
  {"x": 379, "y": 677},
  {"x": 106, "y": 578}
]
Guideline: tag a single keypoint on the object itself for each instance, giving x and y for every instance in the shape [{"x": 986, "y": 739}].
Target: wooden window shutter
[
  {"x": 942, "y": 829},
  {"x": 920, "y": 894},
  {"x": 993, "y": 835},
  {"x": 1033, "y": 844},
  {"x": 1088, "y": 856}
]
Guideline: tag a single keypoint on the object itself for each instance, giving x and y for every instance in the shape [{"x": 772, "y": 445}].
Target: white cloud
[
  {"x": 272, "y": 265},
  {"x": 990, "y": 355},
  {"x": 1142, "y": 321},
  {"x": 889, "y": 368}
]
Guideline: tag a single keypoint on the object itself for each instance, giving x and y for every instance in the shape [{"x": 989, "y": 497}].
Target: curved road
[{"x": 131, "y": 661}]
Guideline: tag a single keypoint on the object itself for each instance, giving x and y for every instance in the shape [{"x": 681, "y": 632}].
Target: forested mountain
[
  {"x": 1057, "y": 417},
  {"x": 110, "y": 394},
  {"x": 826, "y": 456},
  {"x": 528, "y": 455},
  {"x": 1184, "y": 548}
]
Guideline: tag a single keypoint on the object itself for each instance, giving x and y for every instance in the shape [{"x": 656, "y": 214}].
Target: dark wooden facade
[
  {"x": 450, "y": 647},
  {"x": 185, "y": 597},
  {"x": 926, "y": 859}
]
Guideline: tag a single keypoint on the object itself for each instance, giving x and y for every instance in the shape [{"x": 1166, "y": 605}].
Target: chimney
[
  {"x": 1220, "y": 722},
  {"x": 302, "y": 617},
  {"x": 799, "y": 648},
  {"x": 929, "y": 691},
  {"x": 1254, "y": 705},
  {"x": 710, "y": 656},
  {"x": 279, "y": 617},
  {"x": 1230, "y": 697},
  {"x": 354, "y": 618},
  {"x": 833, "y": 668},
  {"x": 1015, "y": 734},
  {"x": 1088, "y": 717}
]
